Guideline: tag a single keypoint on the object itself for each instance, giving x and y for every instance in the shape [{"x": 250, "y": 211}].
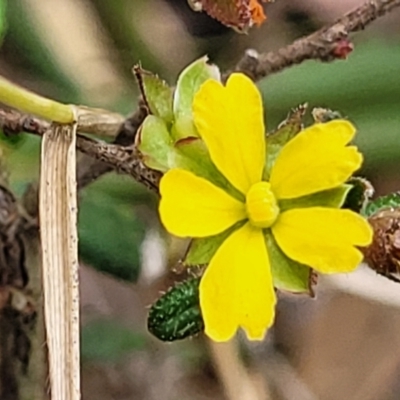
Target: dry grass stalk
[{"x": 58, "y": 216}]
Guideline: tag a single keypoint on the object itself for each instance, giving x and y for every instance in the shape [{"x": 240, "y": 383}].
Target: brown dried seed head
[{"x": 383, "y": 255}]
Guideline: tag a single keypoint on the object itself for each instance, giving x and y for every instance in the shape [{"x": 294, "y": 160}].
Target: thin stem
[
  {"x": 15, "y": 96},
  {"x": 321, "y": 45},
  {"x": 237, "y": 383}
]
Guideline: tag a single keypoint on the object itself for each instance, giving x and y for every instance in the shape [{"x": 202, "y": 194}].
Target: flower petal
[
  {"x": 236, "y": 289},
  {"x": 316, "y": 159},
  {"x": 323, "y": 238},
  {"x": 192, "y": 206},
  {"x": 230, "y": 121}
]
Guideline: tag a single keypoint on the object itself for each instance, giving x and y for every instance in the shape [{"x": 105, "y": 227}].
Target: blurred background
[{"x": 342, "y": 345}]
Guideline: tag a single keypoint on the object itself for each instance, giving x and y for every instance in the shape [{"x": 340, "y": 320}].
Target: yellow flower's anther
[{"x": 261, "y": 205}]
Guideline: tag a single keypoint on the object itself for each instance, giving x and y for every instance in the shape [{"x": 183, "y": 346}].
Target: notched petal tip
[
  {"x": 325, "y": 239},
  {"x": 317, "y": 159},
  {"x": 255, "y": 334},
  {"x": 236, "y": 289},
  {"x": 341, "y": 128},
  {"x": 230, "y": 121}
]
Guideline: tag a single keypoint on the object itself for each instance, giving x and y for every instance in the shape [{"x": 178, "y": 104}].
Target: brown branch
[
  {"x": 89, "y": 169},
  {"x": 323, "y": 45},
  {"x": 106, "y": 156}
]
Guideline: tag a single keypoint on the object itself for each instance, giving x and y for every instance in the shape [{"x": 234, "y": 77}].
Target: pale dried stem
[
  {"x": 98, "y": 121},
  {"x": 58, "y": 217},
  {"x": 233, "y": 375}
]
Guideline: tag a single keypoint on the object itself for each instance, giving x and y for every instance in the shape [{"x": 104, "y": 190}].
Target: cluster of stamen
[{"x": 261, "y": 205}]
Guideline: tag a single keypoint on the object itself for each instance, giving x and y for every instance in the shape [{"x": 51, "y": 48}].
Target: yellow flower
[{"x": 236, "y": 289}]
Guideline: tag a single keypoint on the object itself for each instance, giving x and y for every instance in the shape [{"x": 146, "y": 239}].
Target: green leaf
[
  {"x": 110, "y": 234},
  {"x": 390, "y": 201},
  {"x": 176, "y": 315},
  {"x": 192, "y": 154},
  {"x": 106, "y": 340},
  {"x": 188, "y": 84},
  {"x": 287, "y": 274},
  {"x": 202, "y": 250},
  {"x": 3, "y": 18},
  {"x": 158, "y": 95},
  {"x": 333, "y": 198},
  {"x": 287, "y": 129},
  {"x": 155, "y": 143},
  {"x": 12, "y": 141},
  {"x": 360, "y": 193}
]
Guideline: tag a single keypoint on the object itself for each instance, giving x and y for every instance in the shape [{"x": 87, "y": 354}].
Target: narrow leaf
[{"x": 58, "y": 234}]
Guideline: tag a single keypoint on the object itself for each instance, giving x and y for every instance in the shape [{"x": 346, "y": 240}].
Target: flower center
[{"x": 262, "y": 207}]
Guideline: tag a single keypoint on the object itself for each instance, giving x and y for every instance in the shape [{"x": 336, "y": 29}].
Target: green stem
[{"x": 31, "y": 103}]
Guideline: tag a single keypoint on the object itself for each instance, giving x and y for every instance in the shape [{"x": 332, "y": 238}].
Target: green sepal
[
  {"x": 287, "y": 274},
  {"x": 159, "y": 96},
  {"x": 389, "y": 201},
  {"x": 192, "y": 155},
  {"x": 202, "y": 250},
  {"x": 176, "y": 315},
  {"x": 155, "y": 143},
  {"x": 287, "y": 129},
  {"x": 333, "y": 198},
  {"x": 359, "y": 195},
  {"x": 189, "y": 82}
]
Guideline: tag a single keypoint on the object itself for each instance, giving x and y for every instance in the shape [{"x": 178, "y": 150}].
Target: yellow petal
[
  {"x": 323, "y": 238},
  {"x": 230, "y": 121},
  {"x": 316, "y": 159},
  {"x": 192, "y": 206},
  {"x": 236, "y": 290}
]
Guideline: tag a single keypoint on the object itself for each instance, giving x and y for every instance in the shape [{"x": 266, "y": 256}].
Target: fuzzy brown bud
[{"x": 383, "y": 255}]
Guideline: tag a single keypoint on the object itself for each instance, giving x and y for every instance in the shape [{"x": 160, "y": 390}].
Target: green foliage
[
  {"x": 176, "y": 315},
  {"x": 390, "y": 201},
  {"x": 3, "y": 19},
  {"x": 109, "y": 341},
  {"x": 192, "y": 154},
  {"x": 110, "y": 234},
  {"x": 334, "y": 198},
  {"x": 158, "y": 96},
  {"x": 287, "y": 274},
  {"x": 164, "y": 146},
  {"x": 155, "y": 143},
  {"x": 362, "y": 89},
  {"x": 188, "y": 84},
  {"x": 12, "y": 141},
  {"x": 287, "y": 129},
  {"x": 202, "y": 250},
  {"x": 28, "y": 46}
]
